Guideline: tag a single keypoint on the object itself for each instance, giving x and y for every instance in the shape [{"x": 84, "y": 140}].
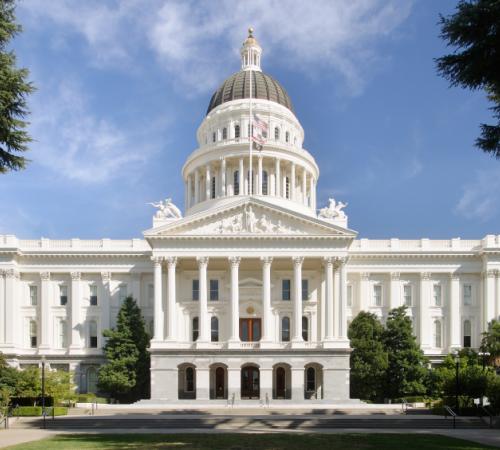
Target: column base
[
  {"x": 234, "y": 344},
  {"x": 335, "y": 343},
  {"x": 298, "y": 343},
  {"x": 269, "y": 344}
]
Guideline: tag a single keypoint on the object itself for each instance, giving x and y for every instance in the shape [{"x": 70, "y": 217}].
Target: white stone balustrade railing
[{"x": 424, "y": 245}]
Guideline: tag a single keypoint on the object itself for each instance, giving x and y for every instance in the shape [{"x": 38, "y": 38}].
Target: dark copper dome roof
[{"x": 237, "y": 86}]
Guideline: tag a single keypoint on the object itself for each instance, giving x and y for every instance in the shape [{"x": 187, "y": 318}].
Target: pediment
[{"x": 249, "y": 218}]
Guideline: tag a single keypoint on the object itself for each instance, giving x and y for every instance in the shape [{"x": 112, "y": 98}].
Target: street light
[
  {"x": 484, "y": 356},
  {"x": 43, "y": 390},
  {"x": 457, "y": 365}
]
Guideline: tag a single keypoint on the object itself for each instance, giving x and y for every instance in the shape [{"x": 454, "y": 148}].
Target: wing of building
[{"x": 250, "y": 293}]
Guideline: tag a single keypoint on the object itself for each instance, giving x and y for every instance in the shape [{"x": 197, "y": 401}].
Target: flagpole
[{"x": 250, "y": 178}]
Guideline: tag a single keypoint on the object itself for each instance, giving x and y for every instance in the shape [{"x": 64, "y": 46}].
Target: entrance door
[
  {"x": 280, "y": 383},
  {"x": 250, "y": 383},
  {"x": 250, "y": 330},
  {"x": 219, "y": 383}
]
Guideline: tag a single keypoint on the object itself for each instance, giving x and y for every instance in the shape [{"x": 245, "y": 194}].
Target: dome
[{"x": 237, "y": 87}]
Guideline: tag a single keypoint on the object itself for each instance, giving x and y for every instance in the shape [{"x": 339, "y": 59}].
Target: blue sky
[{"x": 123, "y": 85}]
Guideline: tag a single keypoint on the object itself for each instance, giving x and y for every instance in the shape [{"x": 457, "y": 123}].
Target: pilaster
[
  {"x": 297, "y": 340},
  {"x": 395, "y": 290},
  {"x": 455, "y": 320},
  {"x": 424, "y": 304},
  {"x": 171, "y": 264},
  {"x": 76, "y": 320},
  {"x": 45, "y": 341},
  {"x": 234, "y": 339}
]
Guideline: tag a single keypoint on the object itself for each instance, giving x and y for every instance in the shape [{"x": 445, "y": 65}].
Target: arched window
[
  {"x": 189, "y": 379},
  {"x": 310, "y": 379},
  {"x": 63, "y": 334},
  {"x": 276, "y": 134},
  {"x": 224, "y": 133},
  {"x": 236, "y": 131},
  {"x": 236, "y": 182},
  {"x": 214, "y": 136},
  {"x": 212, "y": 188},
  {"x": 92, "y": 380},
  {"x": 33, "y": 334},
  {"x": 467, "y": 334},
  {"x": 287, "y": 136},
  {"x": 285, "y": 329},
  {"x": 437, "y": 334},
  {"x": 287, "y": 187},
  {"x": 214, "y": 327},
  {"x": 264, "y": 183},
  {"x": 93, "y": 334},
  {"x": 305, "y": 328},
  {"x": 195, "y": 328}
]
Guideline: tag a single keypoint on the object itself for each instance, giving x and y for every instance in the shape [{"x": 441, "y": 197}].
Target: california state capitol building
[{"x": 248, "y": 295}]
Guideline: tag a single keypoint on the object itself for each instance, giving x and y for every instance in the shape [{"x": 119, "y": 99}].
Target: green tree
[
  {"x": 59, "y": 385},
  {"x": 14, "y": 89},
  {"x": 368, "y": 358},
  {"x": 9, "y": 376},
  {"x": 406, "y": 372},
  {"x": 475, "y": 64},
  {"x": 490, "y": 342},
  {"x": 126, "y": 373}
]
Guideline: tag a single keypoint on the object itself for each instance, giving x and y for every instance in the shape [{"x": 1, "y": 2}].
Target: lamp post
[
  {"x": 43, "y": 390},
  {"x": 457, "y": 365},
  {"x": 484, "y": 355}
]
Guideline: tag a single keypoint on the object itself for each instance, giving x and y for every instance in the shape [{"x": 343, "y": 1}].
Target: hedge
[
  {"x": 90, "y": 398},
  {"x": 26, "y": 411}
]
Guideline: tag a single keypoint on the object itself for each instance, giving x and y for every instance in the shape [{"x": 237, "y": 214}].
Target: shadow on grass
[{"x": 236, "y": 441}]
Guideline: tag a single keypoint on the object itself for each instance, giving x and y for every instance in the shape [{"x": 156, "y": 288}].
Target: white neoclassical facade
[{"x": 250, "y": 293}]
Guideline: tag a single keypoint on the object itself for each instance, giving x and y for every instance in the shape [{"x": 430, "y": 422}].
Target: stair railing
[{"x": 449, "y": 412}]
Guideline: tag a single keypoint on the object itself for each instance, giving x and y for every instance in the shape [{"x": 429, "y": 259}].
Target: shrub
[
  {"x": 58, "y": 411},
  {"x": 23, "y": 411}
]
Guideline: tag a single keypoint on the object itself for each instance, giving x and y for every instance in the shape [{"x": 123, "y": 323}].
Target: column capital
[
  {"x": 106, "y": 277},
  {"x": 328, "y": 260},
  {"x": 234, "y": 261},
  {"x": 425, "y": 276},
  {"x": 157, "y": 259},
  {"x": 395, "y": 276},
  {"x": 490, "y": 273},
  {"x": 2, "y": 272},
  {"x": 76, "y": 276},
  {"x": 11, "y": 273},
  {"x": 171, "y": 261},
  {"x": 45, "y": 276},
  {"x": 298, "y": 260},
  {"x": 341, "y": 260},
  {"x": 454, "y": 276},
  {"x": 266, "y": 259},
  {"x": 365, "y": 276},
  {"x": 202, "y": 260}
]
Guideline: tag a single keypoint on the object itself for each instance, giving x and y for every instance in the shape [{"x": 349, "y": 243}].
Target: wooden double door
[
  {"x": 250, "y": 383},
  {"x": 250, "y": 330}
]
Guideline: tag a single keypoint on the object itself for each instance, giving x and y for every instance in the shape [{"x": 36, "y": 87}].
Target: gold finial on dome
[{"x": 250, "y": 32}]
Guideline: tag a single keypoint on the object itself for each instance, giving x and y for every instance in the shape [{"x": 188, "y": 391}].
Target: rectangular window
[
  {"x": 212, "y": 188},
  {"x": 33, "y": 334},
  {"x": 93, "y": 295},
  {"x": 151, "y": 294},
  {"x": 63, "y": 295},
  {"x": 33, "y": 295},
  {"x": 467, "y": 294},
  {"x": 214, "y": 289},
  {"x": 349, "y": 295},
  {"x": 122, "y": 293},
  {"x": 305, "y": 289},
  {"x": 285, "y": 289},
  {"x": 407, "y": 294},
  {"x": 377, "y": 295},
  {"x": 196, "y": 290},
  {"x": 63, "y": 335},
  {"x": 93, "y": 334},
  {"x": 437, "y": 295}
]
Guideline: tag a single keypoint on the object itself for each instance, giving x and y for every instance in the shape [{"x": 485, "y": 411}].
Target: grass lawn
[{"x": 252, "y": 441}]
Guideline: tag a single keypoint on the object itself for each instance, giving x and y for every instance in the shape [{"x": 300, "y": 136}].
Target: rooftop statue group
[
  {"x": 333, "y": 210},
  {"x": 166, "y": 209}
]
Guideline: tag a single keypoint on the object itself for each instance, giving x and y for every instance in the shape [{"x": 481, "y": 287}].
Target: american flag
[{"x": 259, "y": 132}]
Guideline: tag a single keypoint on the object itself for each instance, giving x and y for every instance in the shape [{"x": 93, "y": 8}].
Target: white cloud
[
  {"x": 78, "y": 145},
  {"x": 197, "y": 41},
  {"x": 479, "y": 200}
]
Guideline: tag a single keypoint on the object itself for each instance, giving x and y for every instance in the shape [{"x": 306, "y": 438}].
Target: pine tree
[
  {"x": 491, "y": 341},
  {"x": 406, "y": 372},
  {"x": 475, "y": 33},
  {"x": 14, "y": 88},
  {"x": 126, "y": 374},
  {"x": 368, "y": 358}
]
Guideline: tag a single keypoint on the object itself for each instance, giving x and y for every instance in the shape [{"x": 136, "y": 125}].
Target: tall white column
[
  {"x": 336, "y": 299},
  {"x": 223, "y": 177},
  {"x": 266, "y": 298},
  {"x": 207, "y": 182},
  {"x": 241, "y": 177},
  {"x": 311, "y": 190},
  {"x": 171, "y": 264},
  {"x": 203, "y": 320},
  {"x": 292, "y": 183},
  {"x": 196, "y": 186},
  {"x": 105, "y": 300},
  {"x": 259, "y": 173},
  {"x": 328, "y": 265},
  {"x": 234, "y": 338},
  {"x": 189, "y": 189},
  {"x": 395, "y": 291},
  {"x": 343, "y": 299},
  {"x": 313, "y": 195},
  {"x": 304, "y": 186},
  {"x": 488, "y": 298},
  {"x": 425, "y": 329},
  {"x": 11, "y": 304},
  {"x": 297, "y": 299},
  {"x": 455, "y": 322},
  {"x": 158, "y": 308},
  {"x": 76, "y": 307},
  {"x": 277, "y": 177},
  {"x": 364, "y": 294},
  {"x": 45, "y": 311}
]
